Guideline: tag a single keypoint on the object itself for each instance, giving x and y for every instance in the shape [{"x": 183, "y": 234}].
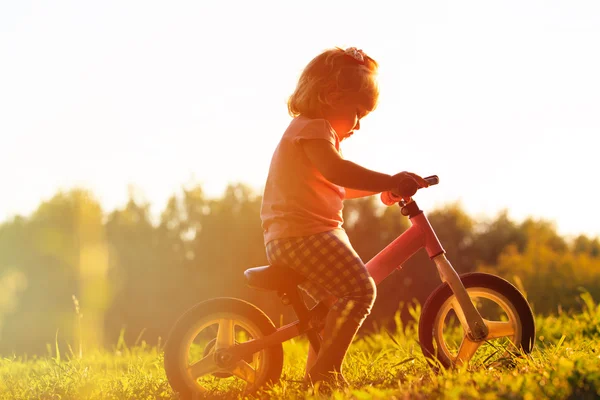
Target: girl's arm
[
  {"x": 355, "y": 194},
  {"x": 347, "y": 174}
]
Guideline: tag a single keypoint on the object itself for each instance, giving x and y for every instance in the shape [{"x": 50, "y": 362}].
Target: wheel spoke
[
  {"x": 244, "y": 371},
  {"x": 225, "y": 334},
  {"x": 460, "y": 315},
  {"x": 466, "y": 350},
  {"x": 203, "y": 367},
  {"x": 498, "y": 329}
]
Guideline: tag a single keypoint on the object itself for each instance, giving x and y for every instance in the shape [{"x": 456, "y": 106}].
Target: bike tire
[
  {"x": 173, "y": 349},
  {"x": 433, "y": 304}
]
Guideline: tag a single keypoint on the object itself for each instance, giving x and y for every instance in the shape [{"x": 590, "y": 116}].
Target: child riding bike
[{"x": 303, "y": 198}]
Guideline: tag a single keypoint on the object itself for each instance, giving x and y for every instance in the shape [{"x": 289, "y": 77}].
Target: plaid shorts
[{"x": 333, "y": 270}]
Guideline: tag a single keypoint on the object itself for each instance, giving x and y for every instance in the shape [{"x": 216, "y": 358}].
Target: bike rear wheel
[
  {"x": 505, "y": 311},
  {"x": 189, "y": 353}
]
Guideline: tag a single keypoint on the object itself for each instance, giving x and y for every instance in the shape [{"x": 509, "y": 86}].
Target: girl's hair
[{"x": 349, "y": 73}]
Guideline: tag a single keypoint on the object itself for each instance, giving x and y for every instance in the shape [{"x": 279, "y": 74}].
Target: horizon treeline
[{"x": 75, "y": 276}]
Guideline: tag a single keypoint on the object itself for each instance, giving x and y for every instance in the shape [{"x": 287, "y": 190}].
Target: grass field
[{"x": 565, "y": 364}]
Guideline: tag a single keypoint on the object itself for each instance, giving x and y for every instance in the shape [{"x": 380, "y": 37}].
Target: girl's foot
[{"x": 326, "y": 381}]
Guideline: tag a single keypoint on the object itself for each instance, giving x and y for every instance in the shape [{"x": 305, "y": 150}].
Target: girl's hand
[{"x": 398, "y": 178}]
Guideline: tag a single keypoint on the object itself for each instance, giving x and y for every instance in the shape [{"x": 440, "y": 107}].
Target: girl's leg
[
  {"x": 327, "y": 260},
  {"x": 282, "y": 252},
  {"x": 312, "y": 353},
  {"x": 341, "y": 326}
]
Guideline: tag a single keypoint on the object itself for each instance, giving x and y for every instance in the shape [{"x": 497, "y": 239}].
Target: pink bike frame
[{"x": 420, "y": 234}]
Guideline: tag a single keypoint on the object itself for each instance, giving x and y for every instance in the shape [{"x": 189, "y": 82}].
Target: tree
[{"x": 61, "y": 253}]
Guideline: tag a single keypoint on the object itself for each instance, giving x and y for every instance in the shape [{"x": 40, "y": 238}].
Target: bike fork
[{"x": 467, "y": 313}]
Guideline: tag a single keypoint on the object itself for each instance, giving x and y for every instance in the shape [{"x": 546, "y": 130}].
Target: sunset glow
[{"x": 500, "y": 99}]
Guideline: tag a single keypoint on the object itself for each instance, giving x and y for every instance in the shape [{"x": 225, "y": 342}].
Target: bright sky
[{"x": 501, "y": 99}]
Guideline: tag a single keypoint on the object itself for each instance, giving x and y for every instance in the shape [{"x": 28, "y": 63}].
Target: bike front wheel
[
  {"x": 189, "y": 353},
  {"x": 505, "y": 311}
]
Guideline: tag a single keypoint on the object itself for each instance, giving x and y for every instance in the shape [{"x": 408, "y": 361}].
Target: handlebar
[
  {"x": 432, "y": 180},
  {"x": 407, "y": 189}
]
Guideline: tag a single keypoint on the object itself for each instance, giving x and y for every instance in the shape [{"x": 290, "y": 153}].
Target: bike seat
[{"x": 273, "y": 277}]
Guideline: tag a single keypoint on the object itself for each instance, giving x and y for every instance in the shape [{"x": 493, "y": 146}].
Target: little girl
[{"x": 302, "y": 204}]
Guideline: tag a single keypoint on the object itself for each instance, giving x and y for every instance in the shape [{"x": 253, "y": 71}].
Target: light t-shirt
[{"x": 298, "y": 200}]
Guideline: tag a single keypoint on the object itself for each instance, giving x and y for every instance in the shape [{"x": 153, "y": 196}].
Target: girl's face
[{"x": 345, "y": 119}]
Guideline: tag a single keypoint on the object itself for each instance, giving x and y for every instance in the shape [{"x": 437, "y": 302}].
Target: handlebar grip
[
  {"x": 409, "y": 187},
  {"x": 432, "y": 180}
]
